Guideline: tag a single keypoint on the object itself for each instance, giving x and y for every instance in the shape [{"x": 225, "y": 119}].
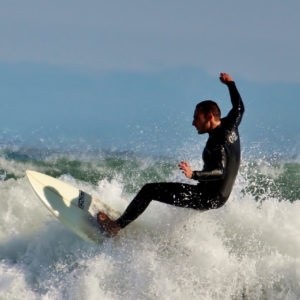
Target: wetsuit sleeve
[
  {"x": 235, "y": 115},
  {"x": 215, "y": 172},
  {"x": 208, "y": 175}
]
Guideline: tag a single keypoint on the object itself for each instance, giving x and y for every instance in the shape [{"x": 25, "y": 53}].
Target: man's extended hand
[
  {"x": 186, "y": 170},
  {"x": 224, "y": 77}
]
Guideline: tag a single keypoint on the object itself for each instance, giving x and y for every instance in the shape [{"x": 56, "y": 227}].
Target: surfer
[{"x": 221, "y": 157}]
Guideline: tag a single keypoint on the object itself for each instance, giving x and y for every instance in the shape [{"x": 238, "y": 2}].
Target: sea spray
[{"x": 248, "y": 249}]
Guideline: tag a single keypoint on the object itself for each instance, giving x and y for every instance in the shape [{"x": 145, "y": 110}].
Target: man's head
[{"x": 207, "y": 116}]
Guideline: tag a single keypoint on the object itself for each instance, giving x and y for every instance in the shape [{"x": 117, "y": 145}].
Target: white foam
[{"x": 244, "y": 249}]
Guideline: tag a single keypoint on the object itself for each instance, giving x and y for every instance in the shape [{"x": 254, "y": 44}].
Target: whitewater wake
[{"x": 248, "y": 249}]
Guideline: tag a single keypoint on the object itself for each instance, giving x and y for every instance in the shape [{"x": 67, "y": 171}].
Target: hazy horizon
[{"x": 129, "y": 75}]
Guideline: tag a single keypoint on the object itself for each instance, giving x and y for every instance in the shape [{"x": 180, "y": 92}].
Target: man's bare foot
[{"x": 110, "y": 226}]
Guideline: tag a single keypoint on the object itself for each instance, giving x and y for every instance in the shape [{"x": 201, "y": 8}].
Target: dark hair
[{"x": 209, "y": 106}]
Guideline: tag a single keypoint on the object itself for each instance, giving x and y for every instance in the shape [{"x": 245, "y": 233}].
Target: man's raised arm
[{"x": 236, "y": 113}]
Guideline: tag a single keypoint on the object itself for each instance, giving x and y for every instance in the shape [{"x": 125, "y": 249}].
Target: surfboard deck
[{"x": 76, "y": 209}]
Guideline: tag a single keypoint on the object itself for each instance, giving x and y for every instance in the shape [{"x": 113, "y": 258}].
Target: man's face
[{"x": 201, "y": 122}]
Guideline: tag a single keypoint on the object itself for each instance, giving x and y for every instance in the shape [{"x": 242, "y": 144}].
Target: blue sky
[{"x": 127, "y": 73}]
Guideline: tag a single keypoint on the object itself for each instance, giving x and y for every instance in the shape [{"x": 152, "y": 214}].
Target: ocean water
[{"x": 248, "y": 249}]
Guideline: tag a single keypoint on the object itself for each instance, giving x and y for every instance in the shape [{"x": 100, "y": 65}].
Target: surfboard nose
[{"x": 30, "y": 172}]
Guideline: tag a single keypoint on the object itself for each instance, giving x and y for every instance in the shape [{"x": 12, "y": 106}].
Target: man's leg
[{"x": 177, "y": 194}]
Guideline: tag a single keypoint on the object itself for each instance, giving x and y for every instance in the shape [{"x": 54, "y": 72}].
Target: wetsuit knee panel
[{"x": 146, "y": 191}]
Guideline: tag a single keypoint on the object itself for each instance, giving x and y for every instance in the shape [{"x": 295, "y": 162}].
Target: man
[{"x": 221, "y": 158}]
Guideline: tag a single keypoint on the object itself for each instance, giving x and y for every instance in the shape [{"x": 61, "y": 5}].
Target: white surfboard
[{"x": 73, "y": 207}]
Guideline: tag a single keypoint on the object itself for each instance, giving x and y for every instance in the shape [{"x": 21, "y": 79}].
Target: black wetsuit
[{"x": 221, "y": 157}]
